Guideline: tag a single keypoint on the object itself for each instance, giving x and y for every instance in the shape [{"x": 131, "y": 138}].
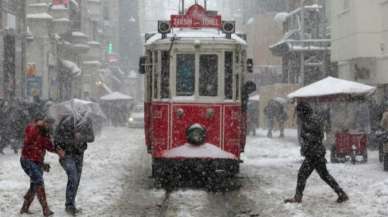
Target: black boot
[
  {"x": 72, "y": 210},
  {"x": 342, "y": 197},
  {"x": 295, "y": 199}
]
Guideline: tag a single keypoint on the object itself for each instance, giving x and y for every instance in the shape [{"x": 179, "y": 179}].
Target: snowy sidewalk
[
  {"x": 116, "y": 183},
  {"x": 105, "y": 163},
  {"x": 276, "y": 162}
]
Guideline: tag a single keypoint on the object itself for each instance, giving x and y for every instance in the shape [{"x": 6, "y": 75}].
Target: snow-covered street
[{"x": 116, "y": 183}]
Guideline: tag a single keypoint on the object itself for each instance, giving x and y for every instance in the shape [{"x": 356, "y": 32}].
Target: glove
[{"x": 46, "y": 167}]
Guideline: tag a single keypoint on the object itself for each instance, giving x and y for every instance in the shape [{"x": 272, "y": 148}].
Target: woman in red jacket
[{"x": 36, "y": 142}]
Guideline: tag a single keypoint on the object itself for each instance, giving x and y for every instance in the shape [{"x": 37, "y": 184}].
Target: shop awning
[
  {"x": 331, "y": 87},
  {"x": 72, "y": 67}
]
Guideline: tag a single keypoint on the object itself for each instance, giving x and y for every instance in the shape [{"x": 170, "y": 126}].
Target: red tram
[{"x": 195, "y": 93}]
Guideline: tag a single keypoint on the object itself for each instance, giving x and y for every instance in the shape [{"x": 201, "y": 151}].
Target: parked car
[{"x": 136, "y": 117}]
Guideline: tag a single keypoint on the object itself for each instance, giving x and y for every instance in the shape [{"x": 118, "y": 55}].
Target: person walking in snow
[
  {"x": 36, "y": 142},
  {"x": 72, "y": 135},
  {"x": 275, "y": 111},
  {"x": 314, "y": 152}
]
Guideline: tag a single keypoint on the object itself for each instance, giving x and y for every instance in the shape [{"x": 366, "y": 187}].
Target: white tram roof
[{"x": 207, "y": 34}]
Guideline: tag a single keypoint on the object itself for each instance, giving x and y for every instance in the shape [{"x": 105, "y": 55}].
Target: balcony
[
  {"x": 39, "y": 24},
  {"x": 37, "y": 8},
  {"x": 95, "y": 51}
]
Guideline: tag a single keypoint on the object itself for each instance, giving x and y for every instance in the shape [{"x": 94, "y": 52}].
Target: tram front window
[
  {"x": 208, "y": 75},
  {"x": 185, "y": 75}
]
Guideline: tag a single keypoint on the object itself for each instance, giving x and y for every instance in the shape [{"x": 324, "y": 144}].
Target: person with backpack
[{"x": 72, "y": 135}]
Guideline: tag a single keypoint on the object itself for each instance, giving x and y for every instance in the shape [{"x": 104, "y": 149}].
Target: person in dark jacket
[
  {"x": 36, "y": 142},
  {"x": 314, "y": 152},
  {"x": 72, "y": 135},
  {"x": 275, "y": 111}
]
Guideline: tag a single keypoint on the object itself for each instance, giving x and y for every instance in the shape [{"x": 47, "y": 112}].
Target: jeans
[
  {"x": 34, "y": 171},
  {"x": 72, "y": 164}
]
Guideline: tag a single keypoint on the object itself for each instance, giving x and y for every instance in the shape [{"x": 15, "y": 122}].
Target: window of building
[{"x": 10, "y": 21}]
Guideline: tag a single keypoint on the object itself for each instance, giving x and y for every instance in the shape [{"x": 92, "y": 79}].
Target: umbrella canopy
[
  {"x": 116, "y": 96},
  {"x": 333, "y": 86},
  {"x": 280, "y": 100},
  {"x": 80, "y": 109}
]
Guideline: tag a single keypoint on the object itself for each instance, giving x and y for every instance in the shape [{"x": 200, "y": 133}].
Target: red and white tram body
[{"x": 194, "y": 78}]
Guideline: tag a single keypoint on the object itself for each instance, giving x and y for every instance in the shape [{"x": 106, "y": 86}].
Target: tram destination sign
[{"x": 196, "y": 17}]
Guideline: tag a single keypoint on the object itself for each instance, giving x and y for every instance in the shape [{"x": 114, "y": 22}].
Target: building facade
[
  {"x": 305, "y": 45},
  {"x": 359, "y": 31},
  {"x": 65, "y": 52},
  {"x": 12, "y": 46}
]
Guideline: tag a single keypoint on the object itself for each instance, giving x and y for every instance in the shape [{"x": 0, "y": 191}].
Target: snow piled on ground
[
  {"x": 105, "y": 162},
  {"x": 277, "y": 162},
  {"x": 115, "y": 176}
]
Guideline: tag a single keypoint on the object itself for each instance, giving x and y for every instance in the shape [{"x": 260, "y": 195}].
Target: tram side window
[
  {"x": 156, "y": 75},
  {"x": 149, "y": 74},
  {"x": 185, "y": 74},
  {"x": 228, "y": 75},
  {"x": 165, "y": 86},
  {"x": 208, "y": 75}
]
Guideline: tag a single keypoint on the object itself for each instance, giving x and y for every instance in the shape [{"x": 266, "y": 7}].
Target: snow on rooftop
[
  {"x": 65, "y": 20},
  {"x": 44, "y": 16},
  {"x": 116, "y": 96},
  {"x": 38, "y": 5},
  {"x": 73, "y": 67},
  {"x": 195, "y": 34},
  {"x": 93, "y": 62},
  {"x": 79, "y": 34},
  {"x": 59, "y": 7},
  {"x": 94, "y": 43},
  {"x": 314, "y": 6},
  {"x": 332, "y": 86},
  {"x": 82, "y": 46},
  {"x": 203, "y": 151}
]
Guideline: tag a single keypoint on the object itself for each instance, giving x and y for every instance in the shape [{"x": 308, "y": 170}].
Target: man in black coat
[
  {"x": 72, "y": 135},
  {"x": 314, "y": 152}
]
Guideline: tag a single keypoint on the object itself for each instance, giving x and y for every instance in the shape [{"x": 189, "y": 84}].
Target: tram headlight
[{"x": 196, "y": 134}]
